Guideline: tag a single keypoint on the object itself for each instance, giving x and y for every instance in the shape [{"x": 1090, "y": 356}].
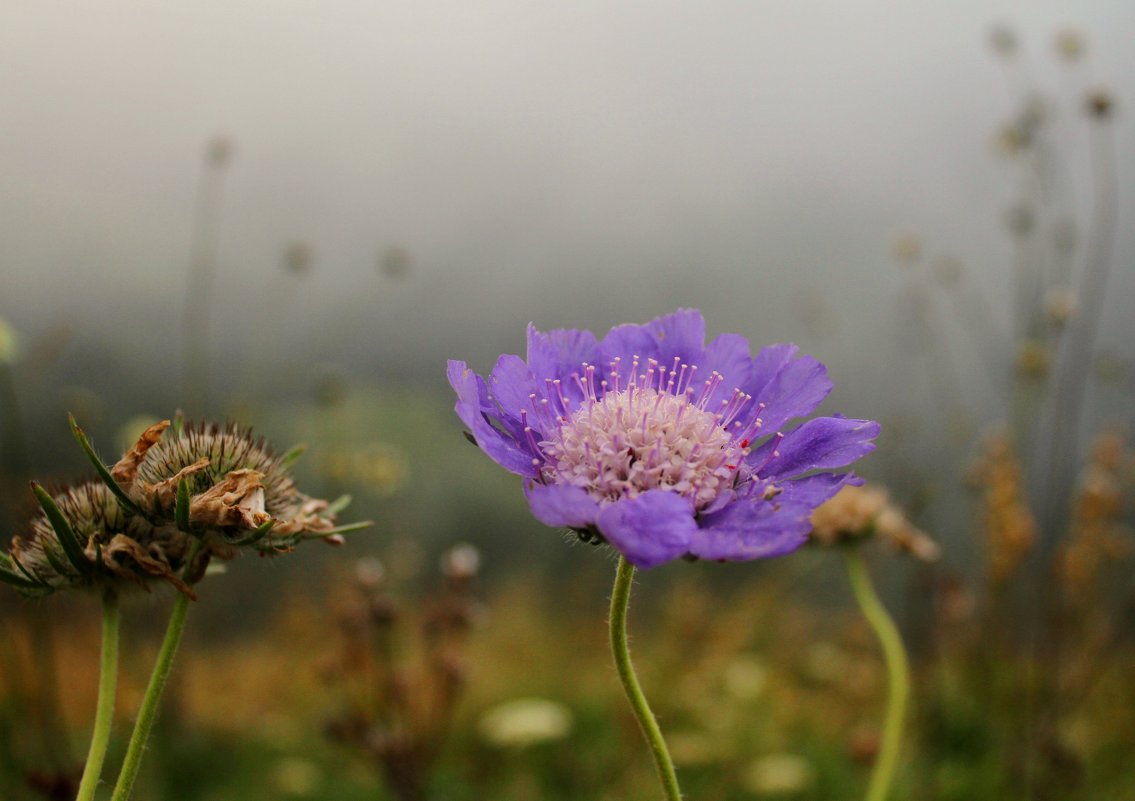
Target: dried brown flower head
[
  {"x": 859, "y": 512},
  {"x": 240, "y": 491},
  {"x": 100, "y": 546}
]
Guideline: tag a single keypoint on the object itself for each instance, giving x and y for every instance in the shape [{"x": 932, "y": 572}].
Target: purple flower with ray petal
[{"x": 661, "y": 445}]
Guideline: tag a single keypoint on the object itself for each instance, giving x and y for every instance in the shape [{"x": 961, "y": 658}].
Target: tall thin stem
[
  {"x": 898, "y": 675},
  {"x": 149, "y": 708},
  {"x": 620, "y": 598},
  {"x": 104, "y": 712}
]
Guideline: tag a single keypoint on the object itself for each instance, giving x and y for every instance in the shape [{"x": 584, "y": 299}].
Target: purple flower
[{"x": 661, "y": 445}]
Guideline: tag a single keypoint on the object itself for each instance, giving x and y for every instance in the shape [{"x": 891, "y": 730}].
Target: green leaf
[
  {"x": 55, "y": 562},
  {"x": 339, "y": 504},
  {"x": 18, "y": 581},
  {"x": 347, "y": 528},
  {"x": 181, "y": 507},
  {"x": 123, "y": 499},
  {"x": 294, "y": 453},
  {"x": 257, "y": 534},
  {"x": 33, "y": 578},
  {"x": 63, "y": 531}
]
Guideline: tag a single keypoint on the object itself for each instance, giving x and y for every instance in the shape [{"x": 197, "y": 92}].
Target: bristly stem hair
[{"x": 620, "y": 598}]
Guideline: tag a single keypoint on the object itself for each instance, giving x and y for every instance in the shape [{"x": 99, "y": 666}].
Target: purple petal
[
  {"x": 653, "y": 528},
  {"x": 559, "y": 353},
  {"x": 823, "y": 442},
  {"x": 625, "y": 342},
  {"x": 813, "y": 490},
  {"x": 562, "y": 505},
  {"x": 728, "y": 354},
  {"x": 767, "y": 364},
  {"x": 472, "y": 403},
  {"x": 680, "y": 334},
  {"x": 511, "y": 383},
  {"x": 752, "y": 529},
  {"x": 795, "y": 391}
]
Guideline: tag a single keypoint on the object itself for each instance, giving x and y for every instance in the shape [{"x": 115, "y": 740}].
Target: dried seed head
[
  {"x": 117, "y": 549},
  {"x": 859, "y": 512},
  {"x": 237, "y": 486}
]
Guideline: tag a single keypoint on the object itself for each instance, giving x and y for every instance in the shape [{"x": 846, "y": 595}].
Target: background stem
[{"x": 898, "y": 675}]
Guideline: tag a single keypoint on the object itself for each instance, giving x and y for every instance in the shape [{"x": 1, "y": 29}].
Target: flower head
[
  {"x": 95, "y": 545},
  {"x": 661, "y": 445},
  {"x": 237, "y": 485},
  {"x": 857, "y": 513}
]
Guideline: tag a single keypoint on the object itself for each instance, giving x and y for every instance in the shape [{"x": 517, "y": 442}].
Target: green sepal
[
  {"x": 53, "y": 560},
  {"x": 294, "y": 453},
  {"x": 123, "y": 499},
  {"x": 338, "y": 505},
  {"x": 63, "y": 531},
  {"x": 181, "y": 507},
  {"x": 346, "y": 529},
  {"x": 18, "y": 581},
  {"x": 257, "y": 534},
  {"x": 178, "y": 424},
  {"x": 11, "y": 576},
  {"x": 34, "y": 579}
]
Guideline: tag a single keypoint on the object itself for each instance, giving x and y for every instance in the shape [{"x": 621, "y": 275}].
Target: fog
[{"x": 575, "y": 165}]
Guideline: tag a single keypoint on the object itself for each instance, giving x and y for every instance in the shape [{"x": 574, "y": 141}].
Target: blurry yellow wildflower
[
  {"x": 1098, "y": 535},
  {"x": 1033, "y": 359},
  {"x": 907, "y": 248},
  {"x": 745, "y": 678},
  {"x": 1069, "y": 44},
  {"x": 1009, "y": 526},
  {"x": 1061, "y": 304},
  {"x": 525, "y": 721},
  {"x": 778, "y": 775}
]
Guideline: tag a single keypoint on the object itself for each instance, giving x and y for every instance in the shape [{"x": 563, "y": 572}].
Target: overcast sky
[{"x": 576, "y": 164}]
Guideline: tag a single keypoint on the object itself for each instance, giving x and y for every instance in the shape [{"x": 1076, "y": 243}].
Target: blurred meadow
[{"x": 290, "y": 216}]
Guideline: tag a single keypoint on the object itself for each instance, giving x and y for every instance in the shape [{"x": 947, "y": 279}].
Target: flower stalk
[
  {"x": 898, "y": 675},
  {"x": 149, "y": 709},
  {"x": 104, "y": 712},
  {"x": 620, "y": 599}
]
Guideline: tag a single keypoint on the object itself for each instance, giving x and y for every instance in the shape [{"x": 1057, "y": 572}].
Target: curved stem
[
  {"x": 149, "y": 708},
  {"x": 898, "y": 675},
  {"x": 620, "y": 597},
  {"x": 104, "y": 711}
]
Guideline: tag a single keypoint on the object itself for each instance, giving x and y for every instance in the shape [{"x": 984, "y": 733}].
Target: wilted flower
[
  {"x": 1100, "y": 103},
  {"x": 96, "y": 545},
  {"x": 860, "y": 512},
  {"x": 234, "y": 492},
  {"x": 675, "y": 448},
  {"x": 240, "y": 491}
]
